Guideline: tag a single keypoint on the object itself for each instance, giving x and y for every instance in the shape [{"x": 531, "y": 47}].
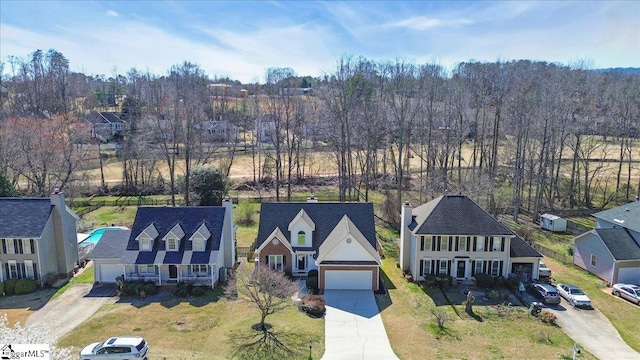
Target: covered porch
[{"x": 166, "y": 274}]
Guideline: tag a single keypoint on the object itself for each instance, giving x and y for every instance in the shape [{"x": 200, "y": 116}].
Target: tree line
[{"x": 517, "y": 133}]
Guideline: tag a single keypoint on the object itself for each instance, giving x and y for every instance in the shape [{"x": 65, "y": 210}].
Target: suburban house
[
  {"x": 453, "y": 235},
  {"x": 611, "y": 251},
  {"x": 105, "y": 124},
  {"x": 336, "y": 239},
  {"x": 219, "y": 131},
  {"x": 38, "y": 237},
  {"x": 170, "y": 244}
]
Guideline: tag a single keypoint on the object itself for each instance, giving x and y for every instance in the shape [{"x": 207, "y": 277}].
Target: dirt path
[{"x": 70, "y": 309}]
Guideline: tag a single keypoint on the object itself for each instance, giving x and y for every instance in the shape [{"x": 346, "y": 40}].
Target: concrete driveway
[
  {"x": 64, "y": 313},
  {"x": 353, "y": 327}
]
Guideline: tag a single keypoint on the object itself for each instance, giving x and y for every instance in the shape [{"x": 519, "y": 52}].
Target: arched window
[{"x": 301, "y": 238}]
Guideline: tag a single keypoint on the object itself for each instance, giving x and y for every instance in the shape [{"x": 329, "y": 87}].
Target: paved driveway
[
  {"x": 64, "y": 313},
  {"x": 353, "y": 327}
]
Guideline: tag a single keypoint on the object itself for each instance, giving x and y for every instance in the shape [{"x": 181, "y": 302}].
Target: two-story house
[
  {"x": 611, "y": 251},
  {"x": 38, "y": 238},
  {"x": 336, "y": 239},
  {"x": 170, "y": 244},
  {"x": 453, "y": 235}
]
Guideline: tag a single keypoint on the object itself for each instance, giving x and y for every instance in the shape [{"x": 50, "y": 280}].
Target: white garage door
[
  {"x": 629, "y": 275},
  {"x": 348, "y": 279},
  {"x": 109, "y": 272}
]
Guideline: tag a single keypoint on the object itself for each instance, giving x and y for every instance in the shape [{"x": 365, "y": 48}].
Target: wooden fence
[{"x": 563, "y": 258}]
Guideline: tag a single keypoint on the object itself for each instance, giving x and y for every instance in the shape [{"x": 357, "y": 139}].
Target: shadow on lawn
[
  {"x": 256, "y": 343},
  {"x": 169, "y": 300}
]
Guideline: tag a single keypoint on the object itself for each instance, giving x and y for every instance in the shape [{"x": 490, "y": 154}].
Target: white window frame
[
  {"x": 146, "y": 269},
  {"x": 176, "y": 244},
  {"x": 145, "y": 245},
  {"x": 200, "y": 269},
  {"x": 26, "y": 246},
  {"x": 301, "y": 235},
  {"x": 479, "y": 243},
  {"x": 444, "y": 243},
  {"x": 13, "y": 267},
  {"x": 11, "y": 249},
  {"x": 426, "y": 267},
  {"x": 462, "y": 243},
  {"x": 198, "y": 245},
  {"x": 444, "y": 262},
  {"x": 495, "y": 265},
  {"x": 479, "y": 266},
  {"x": 496, "y": 243},
  {"x": 594, "y": 260},
  {"x": 28, "y": 269},
  {"x": 276, "y": 262}
]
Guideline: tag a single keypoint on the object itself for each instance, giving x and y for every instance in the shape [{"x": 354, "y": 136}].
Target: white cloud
[
  {"x": 112, "y": 13},
  {"x": 426, "y": 23}
]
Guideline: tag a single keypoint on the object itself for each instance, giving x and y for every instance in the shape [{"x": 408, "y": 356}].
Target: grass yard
[
  {"x": 208, "y": 327},
  {"x": 624, "y": 315},
  {"x": 503, "y": 332},
  {"x": 107, "y": 215}
]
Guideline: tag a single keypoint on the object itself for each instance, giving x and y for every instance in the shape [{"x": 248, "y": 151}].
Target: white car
[
  {"x": 574, "y": 295},
  {"x": 122, "y": 347},
  {"x": 627, "y": 291},
  {"x": 543, "y": 270}
]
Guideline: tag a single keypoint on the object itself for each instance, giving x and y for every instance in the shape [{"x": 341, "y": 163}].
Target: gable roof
[
  {"x": 164, "y": 219},
  {"x": 625, "y": 215},
  {"x": 325, "y": 215},
  {"x": 112, "y": 245},
  {"x": 520, "y": 248},
  {"x": 24, "y": 217},
  {"x": 345, "y": 228},
  {"x": 620, "y": 243},
  {"x": 455, "y": 215}
]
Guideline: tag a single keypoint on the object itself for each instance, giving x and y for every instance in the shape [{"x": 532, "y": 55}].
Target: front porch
[{"x": 198, "y": 275}]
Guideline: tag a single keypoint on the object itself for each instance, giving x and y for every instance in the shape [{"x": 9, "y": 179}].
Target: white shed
[{"x": 553, "y": 223}]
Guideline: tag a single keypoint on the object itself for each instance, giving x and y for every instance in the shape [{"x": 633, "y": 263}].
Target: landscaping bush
[
  {"x": 547, "y": 317},
  {"x": 444, "y": 280},
  {"x": 197, "y": 291},
  {"x": 312, "y": 284},
  {"x": 150, "y": 288},
  {"x": 182, "y": 292},
  {"x": 50, "y": 279},
  {"x": 1, "y": 288},
  {"x": 430, "y": 279},
  {"x": 513, "y": 282},
  {"x": 244, "y": 213},
  {"x": 313, "y": 305},
  {"x": 313, "y": 273},
  {"x": 25, "y": 286},
  {"x": 484, "y": 280},
  {"x": 10, "y": 286}
]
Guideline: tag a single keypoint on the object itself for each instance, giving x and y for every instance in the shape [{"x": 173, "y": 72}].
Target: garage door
[
  {"x": 348, "y": 279},
  {"x": 629, "y": 275},
  {"x": 109, "y": 272}
]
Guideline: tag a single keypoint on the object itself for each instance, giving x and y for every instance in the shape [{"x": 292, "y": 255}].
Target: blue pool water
[{"x": 96, "y": 234}]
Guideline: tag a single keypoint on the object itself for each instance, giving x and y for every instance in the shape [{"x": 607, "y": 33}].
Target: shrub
[
  {"x": 312, "y": 283},
  {"x": 50, "y": 279},
  {"x": 547, "y": 317},
  {"x": 1, "y": 288},
  {"x": 10, "y": 286},
  {"x": 570, "y": 250},
  {"x": 244, "y": 213},
  {"x": 484, "y": 280},
  {"x": 314, "y": 305},
  {"x": 150, "y": 288},
  {"x": 513, "y": 282},
  {"x": 313, "y": 273},
  {"x": 444, "y": 280},
  {"x": 430, "y": 279},
  {"x": 197, "y": 291},
  {"x": 25, "y": 286},
  {"x": 182, "y": 292}
]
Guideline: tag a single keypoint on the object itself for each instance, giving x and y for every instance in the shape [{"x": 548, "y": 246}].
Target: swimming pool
[{"x": 96, "y": 234}]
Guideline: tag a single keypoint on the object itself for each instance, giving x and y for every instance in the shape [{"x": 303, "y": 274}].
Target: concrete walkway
[{"x": 353, "y": 327}]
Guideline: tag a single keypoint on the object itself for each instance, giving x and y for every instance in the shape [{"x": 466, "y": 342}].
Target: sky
[{"x": 241, "y": 39}]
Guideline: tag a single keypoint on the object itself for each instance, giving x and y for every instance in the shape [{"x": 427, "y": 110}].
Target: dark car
[{"x": 544, "y": 292}]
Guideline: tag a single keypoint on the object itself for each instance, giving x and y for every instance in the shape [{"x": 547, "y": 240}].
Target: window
[
  {"x": 495, "y": 268},
  {"x": 422, "y": 243},
  {"x": 199, "y": 269},
  {"x": 426, "y": 267},
  {"x": 462, "y": 243},
  {"x": 302, "y": 238},
  {"x": 146, "y": 269},
  {"x": 443, "y": 267},
  {"x": 28, "y": 269},
  {"x": 444, "y": 243},
  {"x": 13, "y": 269},
  {"x": 275, "y": 262},
  {"x": 479, "y": 242},
  {"x": 172, "y": 244},
  {"x": 496, "y": 243},
  {"x": 26, "y": 246},
  {"x": 11, "y": 249},
  {"x": 593, "y": 260},
  {"x": 198, "y": 245},
  {"x": 145, "y": 245},
  {"x": 479, "y": 263}
]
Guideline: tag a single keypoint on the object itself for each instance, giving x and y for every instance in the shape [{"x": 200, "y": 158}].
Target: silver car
[
  {"x": 627, "y": 291},
  {"x": 123, "y": 347},
  {"x": 544, "y": 292},
  {"x": 574, "y": 295},
  {"x": 543, "y": 269}
]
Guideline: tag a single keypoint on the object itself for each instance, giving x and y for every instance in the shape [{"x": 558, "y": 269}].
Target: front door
[
  {"x": 173, "y": 272},
  {"x": 461, "y": 269},
  {"x": 302, "y": 263}
]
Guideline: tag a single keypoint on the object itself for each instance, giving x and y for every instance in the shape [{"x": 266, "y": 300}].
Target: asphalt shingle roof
[
  {"x": 627, "y": 215},
  {"x": 325, "y": 215},
  {"x": 112, "y": 245},
  {"x": 24, "y": 217},
  {"x": 620, "y": 243},
  {"x": 456, "y": 215},
  {"x": 519, "y": 248}
]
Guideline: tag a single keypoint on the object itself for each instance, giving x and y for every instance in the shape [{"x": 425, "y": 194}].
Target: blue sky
[{"x": 241, "y": 39}]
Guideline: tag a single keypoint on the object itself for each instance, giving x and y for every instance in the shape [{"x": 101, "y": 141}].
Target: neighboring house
[
  {"x": 219, "y": 131},
  {"x": 266, "y": 129},
  {"x": 170, "y": 244},
  {"x": 611, "y": 251},
  {"x": 105, "y": 124},
  {"x": 38, "y": 238},
  {"x": 453, "y": 235},
  {"x": 336, "y": 239}
]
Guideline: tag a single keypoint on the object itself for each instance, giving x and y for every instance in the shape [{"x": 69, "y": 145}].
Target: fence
[
  {"x": 242, "y": 251},
  {"x": 563, "y": 258}
]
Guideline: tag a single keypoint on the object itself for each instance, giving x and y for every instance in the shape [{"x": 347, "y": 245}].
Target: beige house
[{"x": 38, "y": 238}]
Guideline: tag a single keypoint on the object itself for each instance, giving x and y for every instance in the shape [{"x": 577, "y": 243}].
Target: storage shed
[{"x": 553, "y": 223}]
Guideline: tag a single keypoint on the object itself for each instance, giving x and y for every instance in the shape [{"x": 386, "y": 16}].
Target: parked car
[
  {"x": 543, "y": 269},
  {"x": 574, "y": 295},
  {"x": 545, "y": 292},
  {"x": 121, "y": 347},
  {"x": 627, "y": 291}
]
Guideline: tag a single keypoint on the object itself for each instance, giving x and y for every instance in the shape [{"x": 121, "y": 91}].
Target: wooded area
[{"x": 522, "y": 133}]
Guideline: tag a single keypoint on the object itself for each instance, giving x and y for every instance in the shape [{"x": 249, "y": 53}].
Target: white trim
[
  {"x": 28, "y": 269},
  {"x": 276, "y": 234},
  {"x": 9, "y": 264}
]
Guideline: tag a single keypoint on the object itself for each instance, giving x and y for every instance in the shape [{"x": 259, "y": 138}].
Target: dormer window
[
  {"x": 302, "y": 238},
  {"x": 145, "y": 244},
  {"x": 146, "y": 237},
  {"x": 172, "y": 244},
  {"x": 199, "y": 238},
  {"x": 301, "y": 228},
  {"x": 173, "y": 237},
  {"x": 198, "y": 244}
]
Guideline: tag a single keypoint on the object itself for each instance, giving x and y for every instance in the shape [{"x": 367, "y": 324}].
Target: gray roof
[
  {"x": 112, "y": 245},
  {"x": 24, "y": 217},
  {"x": 627, "y": 215},
  {"x": 164, "y": 219},
  {"x": 620, "y": 243},
  {"x": 455, "y": 215},
  {"x": 520, "y": 248},
  {"x": 325, "y": 215}
]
